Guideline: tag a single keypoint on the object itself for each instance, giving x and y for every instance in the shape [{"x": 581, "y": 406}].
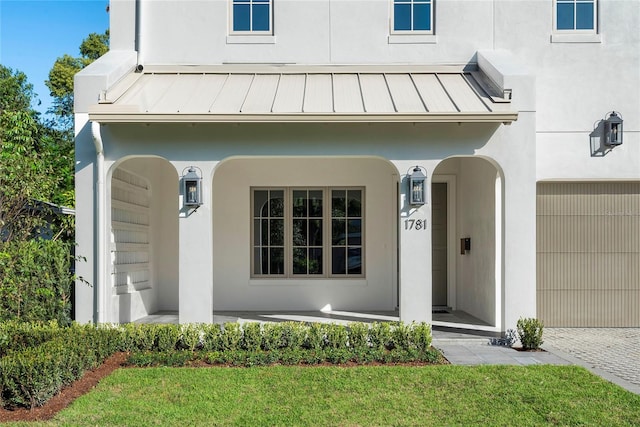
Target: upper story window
[
  {"x": 575, "y": 15},
  {"x": 251, "y": 16},
  {"x": 415, "y": 16}
]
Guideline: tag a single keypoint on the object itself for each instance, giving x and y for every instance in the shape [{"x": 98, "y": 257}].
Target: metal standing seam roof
[{"x": 303, "y": 94}]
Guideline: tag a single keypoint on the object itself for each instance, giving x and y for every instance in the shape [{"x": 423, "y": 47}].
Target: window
[
  {"x": 575, "y": 15},
  {"x": 346, "y": 232},
  {"x": 412, "y": 16},
  {"x": 307, "y": 232},
  {"x": 251, "y": 16}
]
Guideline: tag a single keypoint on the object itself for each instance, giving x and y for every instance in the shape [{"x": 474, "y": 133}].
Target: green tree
[
  {"x": 16, "y": 93},
  {"x": 60, "y": 81},
  {"x": 35, "y": 277},
  {"x": 25, "y": 176}
]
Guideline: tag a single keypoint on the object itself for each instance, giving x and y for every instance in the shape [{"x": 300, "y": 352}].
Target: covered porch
[{"x": 160, "y": 261}]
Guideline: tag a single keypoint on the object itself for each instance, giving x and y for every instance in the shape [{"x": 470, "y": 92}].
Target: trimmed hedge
[
  {"x": 39, "y": 359},
  {"x": 30, "y": 375},
  {"x": 255, "y": 336}
]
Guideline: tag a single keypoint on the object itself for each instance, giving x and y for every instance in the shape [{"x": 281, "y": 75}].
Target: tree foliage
[
  {"x": 25, "y": 174},
  {"x": 94, "y": 46},
  {"x": 37, "y": 173},
  {"x": 60, "y": 81},
  {"x": 35, "y": 276}
]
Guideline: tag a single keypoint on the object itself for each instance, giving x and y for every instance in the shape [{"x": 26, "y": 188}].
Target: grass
[{"x": 359, "y": 396}]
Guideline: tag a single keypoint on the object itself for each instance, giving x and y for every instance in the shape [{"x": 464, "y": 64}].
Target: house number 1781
[{"x": 415, "y": 224}]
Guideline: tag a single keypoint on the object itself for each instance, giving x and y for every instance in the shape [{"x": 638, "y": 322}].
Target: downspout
[
  {"x": 138, "y": 33},
  {"x": 99, "y": 221}
]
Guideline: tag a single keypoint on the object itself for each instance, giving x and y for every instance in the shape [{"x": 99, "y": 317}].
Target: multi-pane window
[
  {"x": 306, "y": 238},
  {"x": 268, "y": 232},
  {"x": 308, "y": 232},
  {"x": 576, "y": 15},
  {"x": 251, "y": 16},
  {"x": 346, "y": 232},
  {"x": 413, "y": 16}
]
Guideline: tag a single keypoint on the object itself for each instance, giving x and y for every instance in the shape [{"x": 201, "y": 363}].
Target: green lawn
[{"x": 360, "y": 396}]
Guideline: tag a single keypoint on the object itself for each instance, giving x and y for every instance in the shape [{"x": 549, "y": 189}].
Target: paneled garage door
[{"x": 588, "y": 254}]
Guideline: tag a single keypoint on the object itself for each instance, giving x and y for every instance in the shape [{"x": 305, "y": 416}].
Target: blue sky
[{"x": 33, "y": 33}]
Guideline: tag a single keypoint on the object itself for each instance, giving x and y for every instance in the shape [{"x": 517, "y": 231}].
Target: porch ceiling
[{"x": 291, "y": 93}]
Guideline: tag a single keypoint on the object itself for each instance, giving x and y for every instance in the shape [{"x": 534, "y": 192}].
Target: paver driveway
[{"x": 612, "y": 350}]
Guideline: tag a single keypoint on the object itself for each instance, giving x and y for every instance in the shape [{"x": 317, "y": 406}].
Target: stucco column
[
  {"x": 196, "y": 253},
  {"x": 415, "y": 252}
]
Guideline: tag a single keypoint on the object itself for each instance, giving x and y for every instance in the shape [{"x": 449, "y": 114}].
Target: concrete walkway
[
  {"x": 611, "y": 353},
  {"x": 462, "y": 348}
]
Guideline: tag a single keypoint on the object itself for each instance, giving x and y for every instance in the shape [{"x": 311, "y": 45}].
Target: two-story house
[{"x": 369, "y": 156}]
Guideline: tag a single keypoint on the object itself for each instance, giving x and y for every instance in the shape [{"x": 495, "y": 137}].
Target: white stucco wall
[
  {"x": 475, "y": 216},
  {"x": 578, "y": 83},
  {"x": 233, "y": 287},
  {"x": 309, "y": 32},
  {"x": 476, "y": 219}
]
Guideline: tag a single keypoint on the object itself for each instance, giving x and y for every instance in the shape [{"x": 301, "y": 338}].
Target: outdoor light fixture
[
  {"x": 613, "y": 129},
  {"x": 417, "y": 187},
  {"x": 192, "y": 188}
]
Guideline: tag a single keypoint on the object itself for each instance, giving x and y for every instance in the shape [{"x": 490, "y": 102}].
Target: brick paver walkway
[{"x": 612, "y": 350}]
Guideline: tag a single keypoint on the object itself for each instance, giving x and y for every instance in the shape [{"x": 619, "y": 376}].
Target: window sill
[
  {"x": 413, "y": 39},
  {"x": 576, "y": 38},
  {"x": 251, "y": 39}
]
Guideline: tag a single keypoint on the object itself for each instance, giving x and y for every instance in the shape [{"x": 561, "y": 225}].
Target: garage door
[{"x": 588, "y": 254}]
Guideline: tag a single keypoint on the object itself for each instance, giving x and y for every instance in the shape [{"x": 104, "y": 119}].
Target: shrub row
[
  {"x": 16, "y": 335},
  {"x": 29, "y": 376},
  {"x": 249, "y": 358},
  {"x": 276, "y": 336}
]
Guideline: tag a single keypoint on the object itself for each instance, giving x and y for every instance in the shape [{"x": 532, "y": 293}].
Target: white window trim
[
  {"x": 573, "y": 35},
  {"x": 251, "y": 39},
  {"x": 250, "y": 33},
  {"x": 576, "y": 38},
  {"x": 412, "y": 39},
  {"x": 401, "y": 36},
  {"x": 326, "y": 237}
]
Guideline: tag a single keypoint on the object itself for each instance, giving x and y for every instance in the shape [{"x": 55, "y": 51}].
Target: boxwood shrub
[{"x": 30, "y": 375}]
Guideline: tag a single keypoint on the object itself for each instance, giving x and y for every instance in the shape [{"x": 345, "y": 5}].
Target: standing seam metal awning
[{"x": 304, "y": 94}]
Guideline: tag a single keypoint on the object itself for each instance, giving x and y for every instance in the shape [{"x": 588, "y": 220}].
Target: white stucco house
[{"x": 303, "y": 123}]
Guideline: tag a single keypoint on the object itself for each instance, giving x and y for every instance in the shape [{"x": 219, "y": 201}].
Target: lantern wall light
[
  {"x": 613, "y": 129},
  {"x": 417, "y": 186},
  {"x": 192, "y": 188}
]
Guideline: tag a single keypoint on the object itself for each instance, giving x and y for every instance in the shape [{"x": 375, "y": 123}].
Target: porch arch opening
[
  {"x": 305, "y": 271},
  {"x": 143, "y": 229},
  {"x": 467, "y": 225}
]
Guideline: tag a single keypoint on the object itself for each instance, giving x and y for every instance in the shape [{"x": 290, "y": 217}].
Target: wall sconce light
[
  {"x": 192, "y": 188},
  {"x": 417, "y": 187},
  {"x": 613, "y": 129}
]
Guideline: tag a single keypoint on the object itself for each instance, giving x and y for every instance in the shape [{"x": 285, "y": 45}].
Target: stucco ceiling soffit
[{"x": 298, "y": 94}]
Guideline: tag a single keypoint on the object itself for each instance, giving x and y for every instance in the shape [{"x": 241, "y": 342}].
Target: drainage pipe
[{"x": 99, "y": 218}]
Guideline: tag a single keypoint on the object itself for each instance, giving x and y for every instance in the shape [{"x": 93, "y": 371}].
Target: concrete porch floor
[{"x": 451, "y": 324}]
